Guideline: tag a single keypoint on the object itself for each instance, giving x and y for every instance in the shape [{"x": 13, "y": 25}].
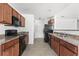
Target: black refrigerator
[{"x": 47, "y": 29}]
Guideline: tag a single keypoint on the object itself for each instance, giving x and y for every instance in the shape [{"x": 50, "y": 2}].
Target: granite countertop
[
  {"x": 69, "y": 39},
  {"x": 5, "y": 39}
]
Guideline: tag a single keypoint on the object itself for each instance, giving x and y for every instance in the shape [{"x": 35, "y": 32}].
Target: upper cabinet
[
  {"x": 5, "y": 13},
  {"x": 15, "y": 13},
  {"x": 22, "y": 21},
  {"x": 1, "y": 13},
  {"x": 19, "y": 17}
]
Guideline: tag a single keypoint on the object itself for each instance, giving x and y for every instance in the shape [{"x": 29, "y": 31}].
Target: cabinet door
[
  {"x": 0, "y": 50},
  {"x": 56, "y": 47},
  {"x": 52, "y": 44},
  {"x": 55, "y": 44},
  {"x": 7, "y": 13},
  {"x": 15, "y": 13},
  {"x": 7, "y": 52},
  {"x": 1, "y": 13},
  {"x": 22, "y": 21},
  {"x": 65, "y": 52},
  {"x": 16, "y": 49},
  {"x": 19, "y": 17}
]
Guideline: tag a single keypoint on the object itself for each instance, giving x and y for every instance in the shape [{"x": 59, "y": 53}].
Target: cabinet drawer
[
  {"x": 69, "y": 46},
  {"x": 66, "y": 52},
  {"x": 9, "y": 44}
]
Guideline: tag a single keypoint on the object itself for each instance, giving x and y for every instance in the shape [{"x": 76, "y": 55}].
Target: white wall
[
  {"x": 72, "y": 11},
  {"x": 38, "y": 29},
  {"x": 65, "y": 23},
  {"x": 2, "y": 29},
  {"x": 67, "y": 19},
  {"x": 30, "y": 27}
]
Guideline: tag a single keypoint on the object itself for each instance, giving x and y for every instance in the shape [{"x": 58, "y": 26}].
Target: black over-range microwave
[
  {"x": 11, "y": 32},
  {"x": 15, "y": 21}
]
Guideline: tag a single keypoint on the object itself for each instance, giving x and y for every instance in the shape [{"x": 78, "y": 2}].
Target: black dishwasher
[{"x": 22, "y": 44}]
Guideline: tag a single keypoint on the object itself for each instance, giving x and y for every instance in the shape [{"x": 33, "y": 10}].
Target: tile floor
[{"x": 39, "y": 48}]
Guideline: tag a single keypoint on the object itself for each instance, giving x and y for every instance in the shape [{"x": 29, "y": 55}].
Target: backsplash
[{"x": 3, "y": 28}]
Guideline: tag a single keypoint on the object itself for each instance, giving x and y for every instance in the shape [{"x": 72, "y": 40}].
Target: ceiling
[{"x": 40, "y": 10}]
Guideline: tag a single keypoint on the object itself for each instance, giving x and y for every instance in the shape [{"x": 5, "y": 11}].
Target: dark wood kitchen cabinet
[
  {"x": 19, "y": 17},
  {"x": 1, "y": 12},
  {"x": 0, "y": 50},
  {"x": 16, "y": 49},
  {"x": 14, "y": 13},
  {"x": 22, "y": 21},
  {"x": 11, "y": 48},
  {"x": 5, "y": 13},
  {"x": 55, "y": 44},
  {"x": 66, "y": 52},
  {"x": 7, "y": 52},
  {"x": 67, "y": 49},
  {"x": 63, "y": 48},
  {"x": 52, "y": 44}
]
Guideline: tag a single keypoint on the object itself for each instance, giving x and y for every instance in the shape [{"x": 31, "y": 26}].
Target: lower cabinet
[
  {"x": 16, "y": 50},
  {"x": 7, "y": 52},
  {"x": 0, "y": 50},
  {"x": 11, "y": 48},
  {"x": 55, "y": 45},
  {"x": 66, "y": 52},
  {"x": 52, "y": 44},
  {"x": 63, "y": 48}
]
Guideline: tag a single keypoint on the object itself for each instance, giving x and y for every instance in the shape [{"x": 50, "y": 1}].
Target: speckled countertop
[
  {"x": 5, "y": 39},
  {"x": 69, "y": 39}
]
